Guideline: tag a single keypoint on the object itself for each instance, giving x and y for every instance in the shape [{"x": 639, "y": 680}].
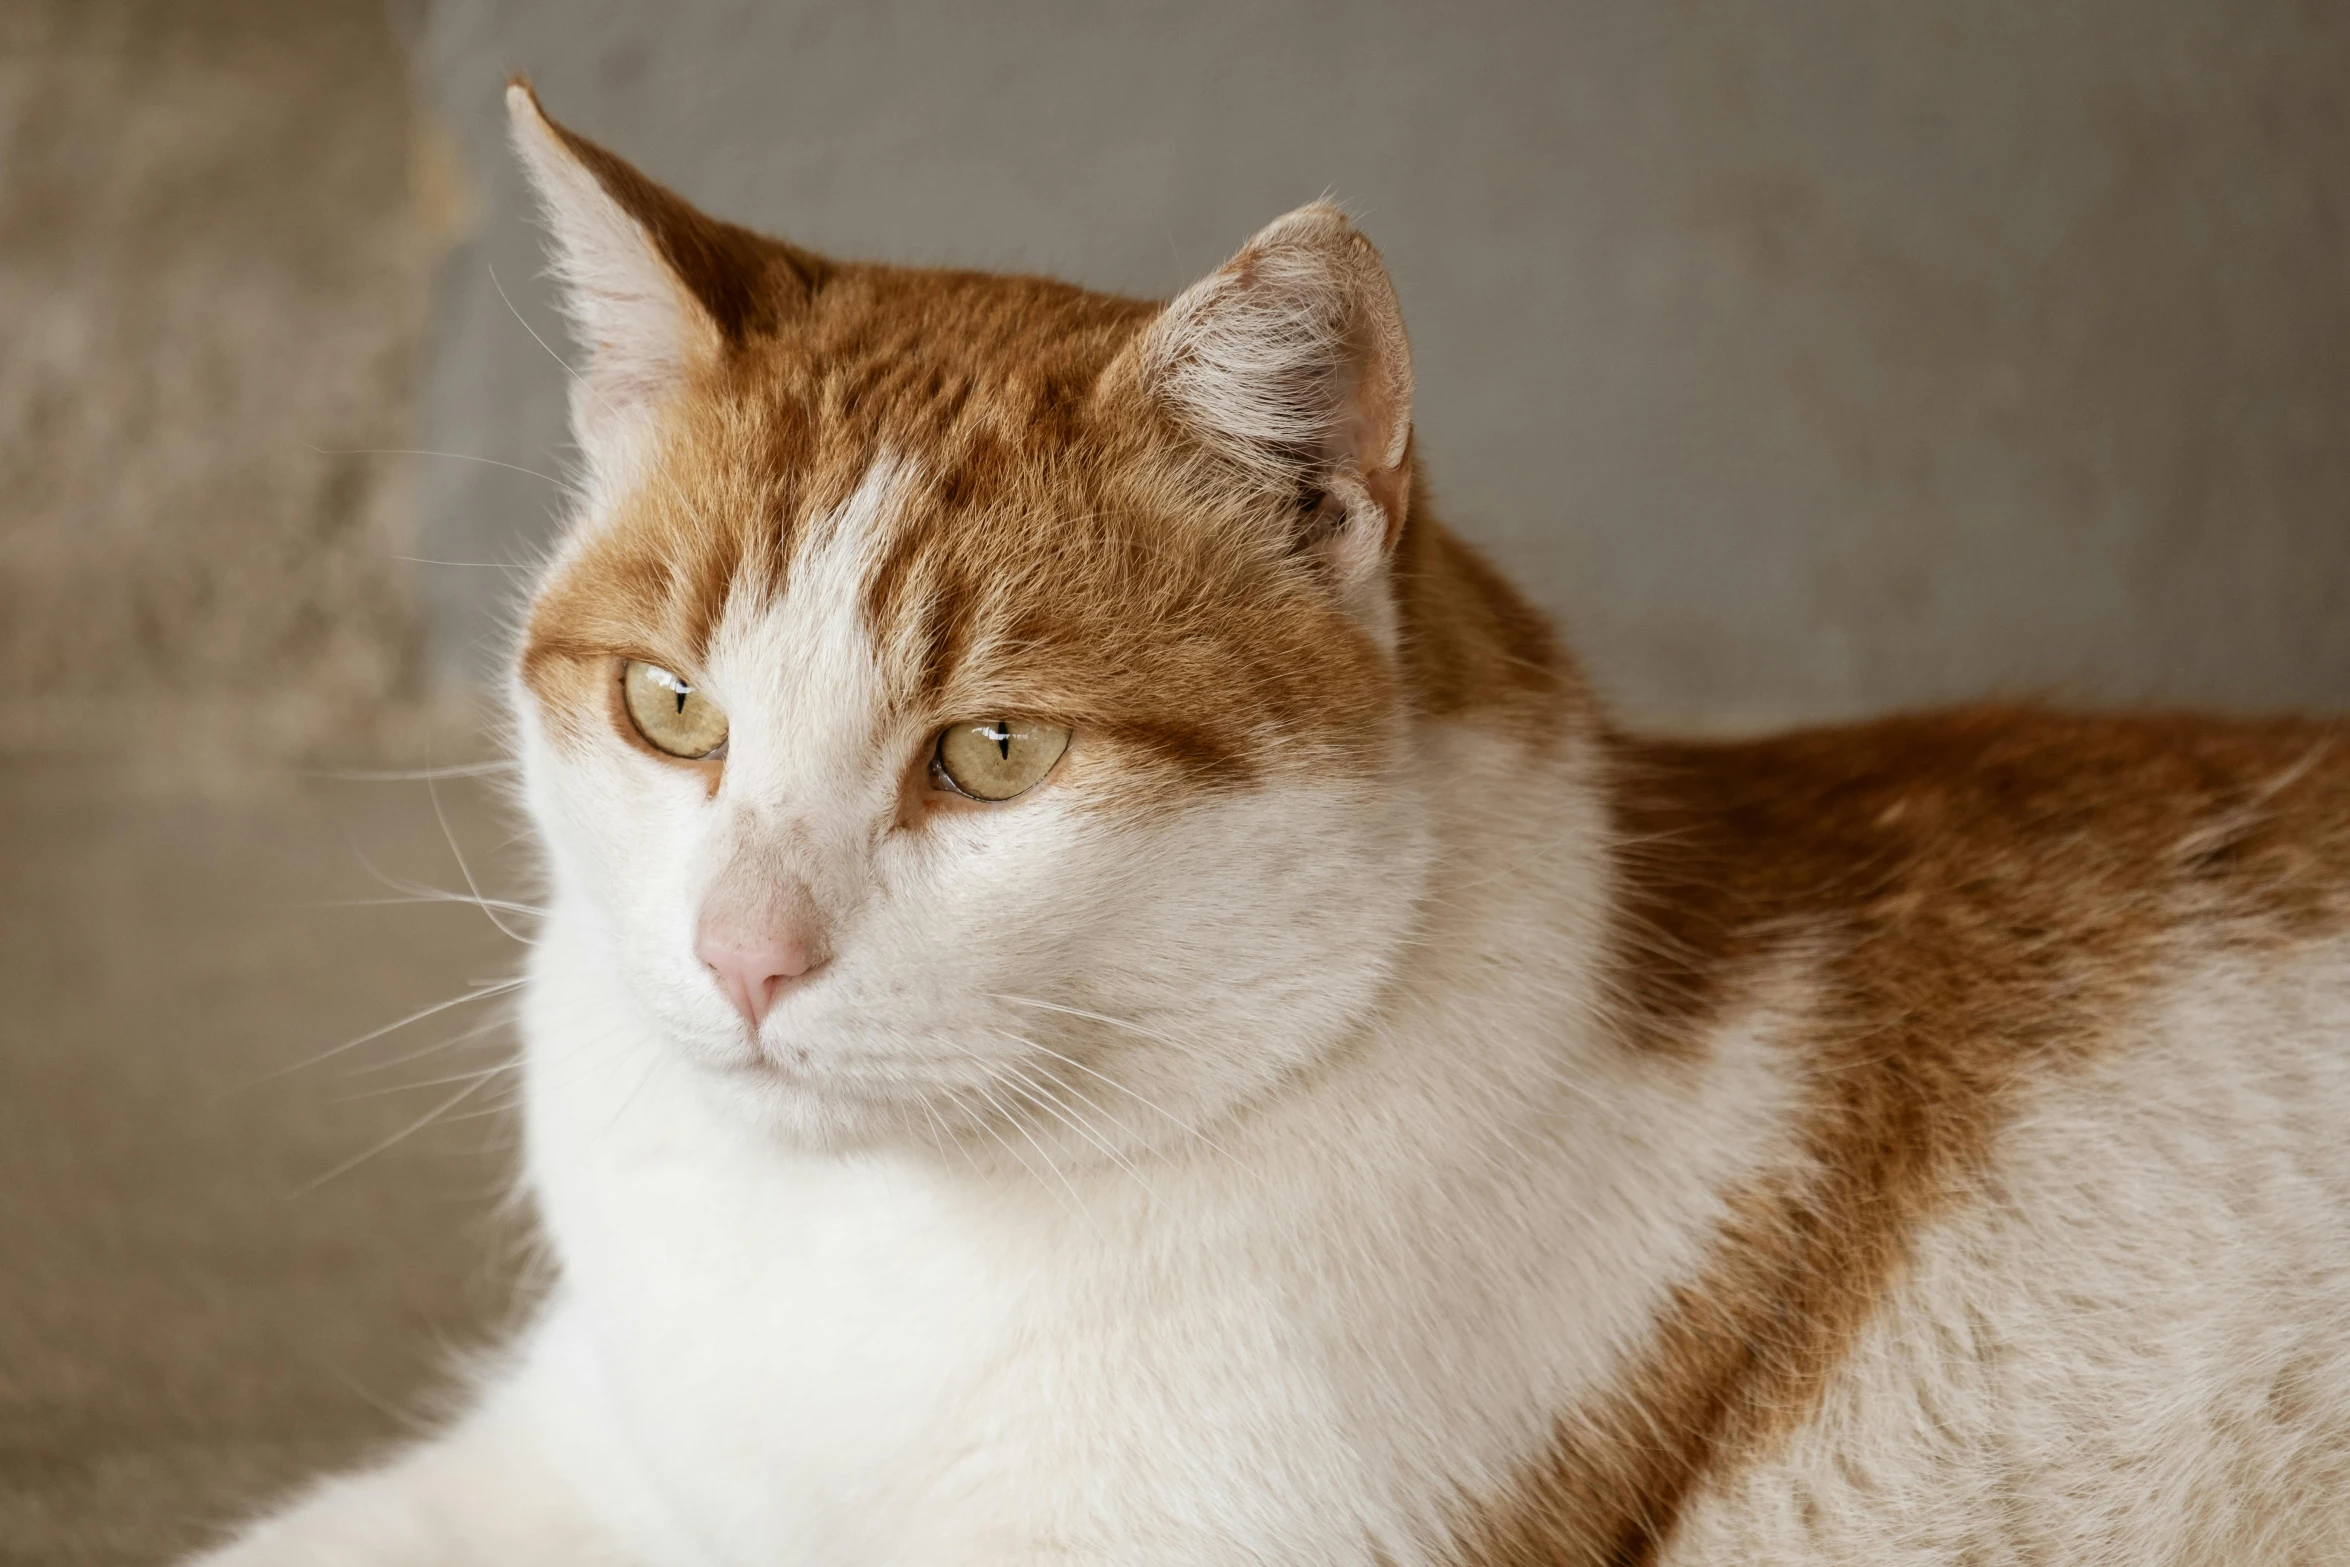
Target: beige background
[
  {"x": 214, "y": 268},
  {"x": 1808, "y": 357},
  {"x": 213, "y": 274}
]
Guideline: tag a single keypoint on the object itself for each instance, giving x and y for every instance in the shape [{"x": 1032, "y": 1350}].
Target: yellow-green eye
[
  {"x": 671, "y": 715},
  {"x": 997, "y": 758}
]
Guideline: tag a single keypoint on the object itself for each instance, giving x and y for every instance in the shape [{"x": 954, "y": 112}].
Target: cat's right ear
[{"x": 656, "y": 291}]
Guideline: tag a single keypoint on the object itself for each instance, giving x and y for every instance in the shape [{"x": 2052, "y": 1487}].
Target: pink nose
[{"x": 754, "y": 966}]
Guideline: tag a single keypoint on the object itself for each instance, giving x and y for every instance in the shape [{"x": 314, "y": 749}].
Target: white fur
[
  {"x": 2129, "y": 1344},
  {"x": 1252, "y": 1183},
  {"x": 1346, "y": 1200},
  {"x": 1371, "y": 1291}
]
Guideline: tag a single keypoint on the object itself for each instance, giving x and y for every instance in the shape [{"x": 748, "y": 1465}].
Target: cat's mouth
[
  {"x": 873, "y": 1077},
  {"x": 846, "y": 1067}
]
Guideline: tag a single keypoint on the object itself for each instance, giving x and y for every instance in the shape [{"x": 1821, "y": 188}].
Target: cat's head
[{"x": 968, "y": 705}]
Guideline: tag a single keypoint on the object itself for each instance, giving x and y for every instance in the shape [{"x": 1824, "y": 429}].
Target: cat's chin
[{"x": 812, "y": 1109}]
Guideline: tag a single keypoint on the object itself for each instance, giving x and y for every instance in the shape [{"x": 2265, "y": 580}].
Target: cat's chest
[
  {"x": 800, "y": 1349},
  {"x": 851, "y": 1362}
]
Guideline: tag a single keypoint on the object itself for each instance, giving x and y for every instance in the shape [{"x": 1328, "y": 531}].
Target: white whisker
[
  {"x": 1179, "y": 1123},
  {"x": 534, "y": 331},
  {"x": 420, "y": 892},
  {"x": 411, "y": 451},
  {"x": 1005, "y": 1114},
  {"x": 420, "y": 774},
  {"x": 432, "y": 789},
  {"x": 478, "y": 993},
  {"x": 1099, "y": 1017},
  {"x": 477, "y": 565},
  {"x": 651, "y": 1066},
  {"x": 947, "y": 1134},
  {"x": 429, "y": 1082},
  {"x": 1051, "y": 1104},
  {"x": 404, "y": 1133},
  {"x": 463, "y": 1037}
]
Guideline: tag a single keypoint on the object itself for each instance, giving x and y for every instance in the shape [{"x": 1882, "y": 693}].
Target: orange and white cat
[{"x": 1110, "y": 998}]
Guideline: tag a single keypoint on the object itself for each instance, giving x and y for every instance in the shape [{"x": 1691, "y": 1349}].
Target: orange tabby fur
[
  {"x": 2000, "y": 881},
  {"x": 1798, "y": 1035}
]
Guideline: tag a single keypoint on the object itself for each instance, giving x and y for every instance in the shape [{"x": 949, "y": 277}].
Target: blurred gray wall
[{"x": 1806, "y": 358}]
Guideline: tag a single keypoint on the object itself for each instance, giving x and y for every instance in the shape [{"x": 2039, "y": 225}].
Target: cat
[{"x": 1186, "y": 1035}]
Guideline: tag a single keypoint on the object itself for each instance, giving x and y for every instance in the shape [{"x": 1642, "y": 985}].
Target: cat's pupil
[
  {"x": 1001, "y": 734},
  {"x": 682, "y": 693}
]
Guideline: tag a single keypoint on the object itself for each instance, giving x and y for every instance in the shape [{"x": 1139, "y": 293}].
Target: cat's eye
[
  {"x": 670, "y": 714},
  {"x": 996, "y": 758}
]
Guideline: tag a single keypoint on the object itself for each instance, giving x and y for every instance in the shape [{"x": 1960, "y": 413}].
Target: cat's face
[{"x": 968, "y": 707}]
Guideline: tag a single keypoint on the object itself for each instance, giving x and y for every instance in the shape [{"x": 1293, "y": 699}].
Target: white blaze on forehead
[
  {"x": 800, "y": 674},
  {"x": 836, "y": 558}
]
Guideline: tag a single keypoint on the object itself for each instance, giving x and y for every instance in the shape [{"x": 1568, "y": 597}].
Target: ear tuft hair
[
  {"x": 1291, "y": 365},
  {"x": 1265, "y": 353}
]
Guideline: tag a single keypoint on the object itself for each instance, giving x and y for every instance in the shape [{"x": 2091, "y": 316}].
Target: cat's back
[
  {"x": 1986, "y": 888},
  {"x": 2066, "y": 1273},
  {"x": 2002, "y": 819}
]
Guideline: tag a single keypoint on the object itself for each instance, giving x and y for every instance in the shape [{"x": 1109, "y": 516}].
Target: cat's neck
[{"x": 1472, "y": 648}]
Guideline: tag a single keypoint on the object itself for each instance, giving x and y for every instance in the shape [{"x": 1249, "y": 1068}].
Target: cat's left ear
[
  {"x": 1289, "y": 363},
  {"x": 656, "y": 291}
]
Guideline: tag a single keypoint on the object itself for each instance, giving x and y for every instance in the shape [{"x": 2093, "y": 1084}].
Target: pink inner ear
[{"x": 1377, "y": 442}]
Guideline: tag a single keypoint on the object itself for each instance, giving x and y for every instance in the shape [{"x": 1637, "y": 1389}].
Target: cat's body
[{"x": 1387, "y": 1115}]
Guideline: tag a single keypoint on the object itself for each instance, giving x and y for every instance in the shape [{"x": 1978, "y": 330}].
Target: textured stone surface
[
  {"x": 1809, "y": 358},
  {"x": 213, "y": 268}
]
